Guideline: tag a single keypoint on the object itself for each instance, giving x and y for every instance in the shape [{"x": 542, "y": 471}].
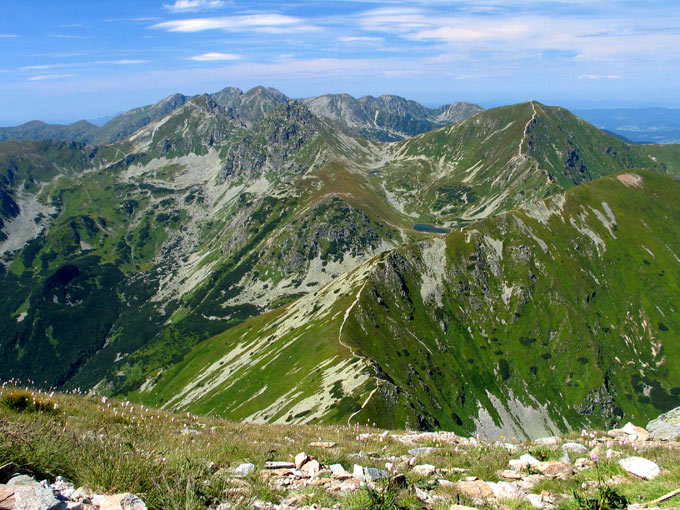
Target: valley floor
[{"x": 185, "y": 461}]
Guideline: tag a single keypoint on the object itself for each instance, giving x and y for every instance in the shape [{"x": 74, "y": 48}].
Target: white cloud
[
  {"x": 252, "y": 22},
  {"x": 48, "y": 77},
  {"x": 8, "y": 36},
  {"x": 599, "y": 77},
  {"x": 120, "y": 62},
  {"x": 211, "y": 57},
  {"x": 360, "y": 38},
  {"x": 193, "y": 5}
]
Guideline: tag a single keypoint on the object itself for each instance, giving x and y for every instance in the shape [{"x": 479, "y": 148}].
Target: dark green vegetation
[{"x": 132, "y": 267}]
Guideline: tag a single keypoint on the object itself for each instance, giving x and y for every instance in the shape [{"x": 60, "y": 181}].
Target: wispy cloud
[
  {"x": 360, "y": 38},
  {"x": 599, "y": 77},
  {"x": 123, "y": 62},
  {"x": 249, "y": 22},
  {"x": 193, "y": 5},
  {"x": 8, "y": 36},
  {"x": 48, "y": 77},
  {"x": 211, "y": 57},
  {"x": 46, "y": 67}
]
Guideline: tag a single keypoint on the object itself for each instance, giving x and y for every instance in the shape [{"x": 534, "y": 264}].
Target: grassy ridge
[{"x": 545, "y": 318}]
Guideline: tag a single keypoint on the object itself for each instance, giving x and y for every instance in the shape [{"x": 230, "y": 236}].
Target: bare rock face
[{"x": 666, "y": 427}]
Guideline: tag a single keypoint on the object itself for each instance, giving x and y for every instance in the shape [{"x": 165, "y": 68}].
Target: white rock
[
  {"x": 536, "y": 500},
  {"x": 530, "y": 460},
  {"x": 506, "y": 490},
  {"x": 300, "y": 459},
  {"x": 424, "y": 469},
  {"x": 337, "y": 469},
  {"x": 523, "y": 462},
  {"x": 358, "y": 472},
  {"x": 311, "y": 468},
  {"x": 640, "y": 467},
  {"x": 574, "y": 447},
  {"x": 547, "y": 441},
  {"x": 244, "y": 469}
]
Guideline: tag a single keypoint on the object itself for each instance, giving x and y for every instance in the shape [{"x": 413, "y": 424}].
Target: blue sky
[{"x": 69, "y": 59}]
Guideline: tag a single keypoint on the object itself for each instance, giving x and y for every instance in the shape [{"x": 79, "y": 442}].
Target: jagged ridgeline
[{"x": 131, "y": 265}]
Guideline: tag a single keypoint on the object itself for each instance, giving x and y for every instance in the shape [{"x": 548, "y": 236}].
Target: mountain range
[{"x": 512, "y": 271}]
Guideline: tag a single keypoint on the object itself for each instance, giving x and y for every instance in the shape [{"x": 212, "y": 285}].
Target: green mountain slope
[
  {"x": 234, "y": 204},
  {"x": 36, "y": 130},
  {"x": 501, "y": 158},
  {"x": 558, "y": 314}
]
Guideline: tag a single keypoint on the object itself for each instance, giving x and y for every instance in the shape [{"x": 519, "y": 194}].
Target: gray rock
[
  {"x": 34, "y": 498},
  {"x": 574, "y": 447},
  {"x": 23, "y": 481},
  {"x": 132, "y": 502},
  {"x": 373, "y": 474},
  {"x": 244, "y": 469},
  {"x": 419, "y": 451},
  {"x": 666, "y": 426}
]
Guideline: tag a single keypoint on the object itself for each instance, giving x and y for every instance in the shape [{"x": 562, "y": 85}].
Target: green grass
[{"x": 117, "y": 447}]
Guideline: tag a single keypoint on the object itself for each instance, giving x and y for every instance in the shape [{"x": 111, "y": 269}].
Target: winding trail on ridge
[{"x": 347, "y": 312}]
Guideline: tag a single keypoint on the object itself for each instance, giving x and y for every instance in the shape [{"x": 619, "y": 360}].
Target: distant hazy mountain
[
  {"x": 383, "y": 118},
  {"x": 640, "y": 125},
  {"x": 386, "y": 118}
]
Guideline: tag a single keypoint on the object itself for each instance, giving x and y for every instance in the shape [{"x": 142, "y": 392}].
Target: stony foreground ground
[{"x": 86, "y": 453}]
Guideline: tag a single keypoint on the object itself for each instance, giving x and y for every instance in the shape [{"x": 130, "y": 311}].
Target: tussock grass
[{"x": 184, "y": 461}]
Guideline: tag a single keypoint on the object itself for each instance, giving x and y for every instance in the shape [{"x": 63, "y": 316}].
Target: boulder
[
  {"x": 635, "y": 432},
  {"x": 244, "y": 469},
  {"x": 476, "y": 490},
  {"x": 300, "y": 459},
  {"x": 125, "y": 501},
  {"x": 536, "y": 500},
  {"x": 339, "y": 472},
  {"x": 23, "y": 481},
  {"x": 666, "y": 427},
  {"x": 423, "y": 470},
  {"x": 311, "y": 468},
  {"x": 506, "y": 490},
  {"x": 523, "y": 462},
  {"x": 641, "y": 467},
  {"x": 547, "y": 441},
  {"x": 373, "y": 474},
  {"x": 554, "y": 468},
  {"x": 574, "y": 448},
  {"x": 24, "y": 497}
]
